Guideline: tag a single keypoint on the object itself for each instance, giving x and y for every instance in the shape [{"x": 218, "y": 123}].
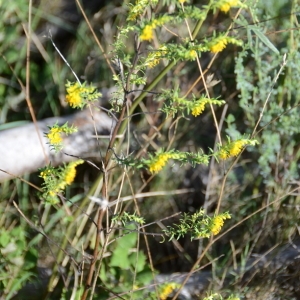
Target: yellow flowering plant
[
  {"x": 137, "y": 9},
  {"x": 190, "y": 51},
  {"x": 174, "y": 104},
  {"x": 166, "y": 290},
  {"x": 225, "y": 5},
  {"x": 219, "y": 43},
  {"x": 197, "y": 225},
  {"x": 79, "y": 95},
  {"x": 147, "y": 31},
  {"x": 55, "y": 135},
  {"x": 234, "y": 148},
  {"x": 137, "y": 73},
  {"x": 56, "y": 180},
  {"x": 157, "y": 161}
]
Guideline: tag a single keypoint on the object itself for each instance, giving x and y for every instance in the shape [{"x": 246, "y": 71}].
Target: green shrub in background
[
  {"x": 157, "y": 49},
  {"x": 18, "y": 262}
]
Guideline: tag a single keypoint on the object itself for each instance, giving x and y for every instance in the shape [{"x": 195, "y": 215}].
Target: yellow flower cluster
[
  {"x": 217, "y": 223},
  {"x": 227, "y": 4},
  {"x": 218, "y": 45},
  {"x": 237, "y": 147},
  {"x": 199, "y": 107},
  {"x": 232, "y": 149},
  {"x": 57, "y": 179},
  {"x": 167, "y": 290},
  {"x": 70, "y": 171},
  {"x": 138, "y": 8},
  {"x": 147, "y": 31},
  {"x": 54, "y": 135},
  {"x": 223, "y": 154},
  {"x": 73, "y": 96},
  {"x": 154, "y": 57},
  {"x": 192, "y": 55},
  {"x": 78, "y": 95},
  {"x": 159, "y": 162},
  {"x": 45, "y": 174}
]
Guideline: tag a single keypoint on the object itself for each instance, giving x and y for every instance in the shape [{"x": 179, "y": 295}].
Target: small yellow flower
[
  {"x": 218, "y": 45},
  {"x": 154, "y": 62},
  {"x": 70, "y": 171},
  {"x": 54, "y": 135},
  {"x": 73, "y": 96},
  {"x": 198, "y": 108},
  {"x": 154, "y": 58},
  {"x": 233, "y": 148},
  {"x": 167, "y": 290},
  {"x": 217, "y": 223},
  {"x": 45, "y": 174},
  {"x": 223, "y": 154},
  {"x": 226, "y": 5},
  {"x": 69, "y": 178},
  {"x": 78, "y": 95},
  {"x": 236, "y": 147},
  {"x": 159, "y": 162},
  {"x": 147, "y": 33},
  {"x": 139, "y": 8},
  {"x": 192, "y": 54}
]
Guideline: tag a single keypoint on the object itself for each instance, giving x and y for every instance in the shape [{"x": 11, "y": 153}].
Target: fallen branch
[{"x": 21, "y": 151}]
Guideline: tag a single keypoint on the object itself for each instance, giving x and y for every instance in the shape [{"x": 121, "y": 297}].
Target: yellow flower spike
[
  {"x": 147, "y": 33},
  {"x": 192, "y": 54},
  {"x": 218, "y": 45},
  {"x": 159, "y": 162},
  {"x": 154, "y": 62},
  {"x": 236, "y": 147},
  {"x": 70, "y": 171},
  {"x": 217, "y": 223},
  {"x": 226, "y": 5},
  {"x": 223, "y": 154},
  {"x": 78, "y": 95},
  {"x": 167, "y": 290},
  {"x": 198, "y": 108},
  {"x": 154, "y": 57},
  {"x": 73, "y": 96},
  {"x": 70, "y": 176},
  {"x": 54, "y": 135}
]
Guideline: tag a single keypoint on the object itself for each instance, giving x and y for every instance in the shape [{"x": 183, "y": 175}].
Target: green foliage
[
  {"x": 279, "y": 120},
  {"x": 159, "y": 53},
  {"x": 17, "y": 261},
  {"x": 126, "y": 263},
  {"x": 126, "y": 217},
  {"x": 217, "y": 296}
]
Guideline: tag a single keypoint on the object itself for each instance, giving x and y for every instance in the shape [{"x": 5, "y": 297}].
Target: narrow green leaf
[
  {"x": 264, "y": 39},
  {"x": 249, "y": 35}
]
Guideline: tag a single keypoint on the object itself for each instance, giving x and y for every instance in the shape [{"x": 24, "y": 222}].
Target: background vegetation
[{"x": 47, "y": 250}]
